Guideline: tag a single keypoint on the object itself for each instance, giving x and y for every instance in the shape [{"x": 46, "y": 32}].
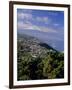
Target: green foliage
[{"x": 49, "y": 66}]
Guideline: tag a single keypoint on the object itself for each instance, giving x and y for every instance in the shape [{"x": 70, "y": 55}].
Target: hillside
[
  {"x": 38, "y": 60},
  {"x": 33, "y": 45},
  {"x": 45, "y": 37}
]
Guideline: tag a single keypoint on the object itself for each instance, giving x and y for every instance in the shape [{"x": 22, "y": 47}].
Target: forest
[{"x": 37, "y": 60}]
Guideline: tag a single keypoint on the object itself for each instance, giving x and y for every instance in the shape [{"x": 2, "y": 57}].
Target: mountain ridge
[
  {"x": 34, "y": 46},
  {"x": 45, "y": 37}
]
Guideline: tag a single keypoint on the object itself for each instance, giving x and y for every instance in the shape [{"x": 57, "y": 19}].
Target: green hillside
[{"x": 37, "y": 60}]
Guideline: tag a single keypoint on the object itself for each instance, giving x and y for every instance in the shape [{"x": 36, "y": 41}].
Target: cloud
[
  {"x": 27, "y": 26},
  {"x": 24, "y": 16},
  {"x": 22, "y": 25},
  {"x": 28, "y": 16},
  {"x": 30, "y": 26},
  {"x": 46, "y": 29},
  {"x": 42, "y": 19},
  {"x": 56, "y": 24},
  {"x": 53, "y": 13}
]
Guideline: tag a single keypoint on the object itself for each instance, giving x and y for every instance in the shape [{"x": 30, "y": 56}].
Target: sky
[{"x": 47, "y": 25}]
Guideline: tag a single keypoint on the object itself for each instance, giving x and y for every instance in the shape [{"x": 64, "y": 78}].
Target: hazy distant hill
[
  {"x": 45, "y": 37},
  {"x": 34, "y": 46}
]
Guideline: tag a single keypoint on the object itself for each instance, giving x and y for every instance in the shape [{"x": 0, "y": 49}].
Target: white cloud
[
  {"x": 30, "y": 26},
  {"x": 45, "y": 19},
  {"x": 45, "y": 29},
  {"x": 39, "y": 19},
  {"x": 56, "y": 24},
  {"x": 27, "y": 26},
  {"x": 24, "y": 15},
  {"x": 28, "y": 16},
  {"x": 42, "y": 19},
  {"x": 22, "y": 25},
  {"x": 53, "y": 13}
]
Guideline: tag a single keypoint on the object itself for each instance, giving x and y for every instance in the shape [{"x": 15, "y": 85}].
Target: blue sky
[{"x": 44, "y": 24}]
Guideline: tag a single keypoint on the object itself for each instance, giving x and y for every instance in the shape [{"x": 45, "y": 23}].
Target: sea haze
[{"x": 45, "y": 37}]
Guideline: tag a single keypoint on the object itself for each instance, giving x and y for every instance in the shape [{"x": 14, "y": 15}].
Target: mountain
[
  {"x": 37, "y": 60},
  {"x": 33, "y": 46},
  {"x": 46, "y": 37}
]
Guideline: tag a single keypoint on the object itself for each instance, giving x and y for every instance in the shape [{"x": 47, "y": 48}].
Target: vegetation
[{"x": 35, "y": 61}]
